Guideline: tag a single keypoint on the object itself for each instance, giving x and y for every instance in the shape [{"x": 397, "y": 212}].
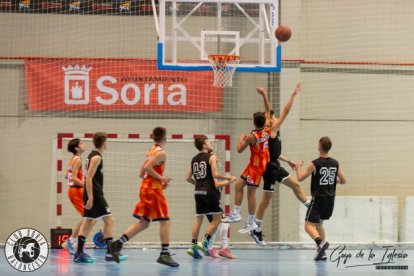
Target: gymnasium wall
[
  {"x": 366, "y": 110},
  {"x": 33, "y": 134}
]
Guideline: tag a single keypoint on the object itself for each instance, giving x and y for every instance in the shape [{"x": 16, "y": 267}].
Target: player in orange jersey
[
  {"x": 153, "y": 204},
  {"x": 258, "y": 141},
  {"x": 75, "y": 181}
]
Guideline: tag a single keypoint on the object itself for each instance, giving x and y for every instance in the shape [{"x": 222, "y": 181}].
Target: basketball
[{"x": 283, "y": 33}]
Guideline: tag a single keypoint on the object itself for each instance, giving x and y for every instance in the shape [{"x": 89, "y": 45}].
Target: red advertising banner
[{"x": 117, "y": 85}]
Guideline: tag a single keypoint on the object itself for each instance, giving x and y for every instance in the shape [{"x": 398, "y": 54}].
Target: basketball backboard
[{"x": 190, "y": 30}]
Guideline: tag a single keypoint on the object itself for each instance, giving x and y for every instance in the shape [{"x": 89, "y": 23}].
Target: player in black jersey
[
  {"x": 202, "y": 174},
  {"x": 96, "y": 206},
  {"x": 325, "y": 173},
  {"x": 274, "y": 171}
]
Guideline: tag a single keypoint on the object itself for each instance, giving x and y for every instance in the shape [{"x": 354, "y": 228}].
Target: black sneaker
[
  {"x": 257, "y": 237},
  {"x": 115, "y": 249},
  {"x": 324, "y": 257},
  {"x": 165, "y": 259},
  {"x": 321, "y": 251}
]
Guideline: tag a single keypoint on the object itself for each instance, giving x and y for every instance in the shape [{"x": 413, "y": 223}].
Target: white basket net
[{"x": 224, "y": 67}]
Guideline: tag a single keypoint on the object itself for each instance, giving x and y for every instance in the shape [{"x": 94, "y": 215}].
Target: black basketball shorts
[
  {"x": 99, "y": 209},
  {"x": 321, "y": 208},
  {"x": 274, "y": 173},
  {"x": 207, "y": 202}
]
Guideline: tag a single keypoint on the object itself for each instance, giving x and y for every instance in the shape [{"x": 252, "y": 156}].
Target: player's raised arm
[
  {"x": 341, "y": 178},
  {"x": 75, "y": 170},
  {"x": 93, "y": 165},
  {"x": 189, "y": 176},
  {"x": 155, "y": 160},
  {"x": 286, "y": 108},
  {"x": 303, "y": 175},
  {"x": 244, "y": 141},
  {"x": 266, "y": 103}
]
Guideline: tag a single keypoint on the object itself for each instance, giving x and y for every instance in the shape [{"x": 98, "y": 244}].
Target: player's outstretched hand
[
  {"x": 292, "y": 164},
  {"x": 299, "y": 164},
  {"x": 261, "y": 91},
  {"x": 232, "y": 179},
  {"x": 89, "y": 204},
  {"x": 298, "y": 88}
]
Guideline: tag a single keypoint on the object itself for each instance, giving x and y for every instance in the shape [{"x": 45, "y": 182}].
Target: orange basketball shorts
[
  {"x": 152, "y": 205},
  {"x": 76, "y": 198},
  {"x": 252, "y": 175}
]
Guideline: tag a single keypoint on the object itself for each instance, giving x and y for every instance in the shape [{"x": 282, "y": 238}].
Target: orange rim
[{"x": 223, "y": 58}]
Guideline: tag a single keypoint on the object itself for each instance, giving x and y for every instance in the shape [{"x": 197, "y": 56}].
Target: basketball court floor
[{"x": 250, "y": 262}]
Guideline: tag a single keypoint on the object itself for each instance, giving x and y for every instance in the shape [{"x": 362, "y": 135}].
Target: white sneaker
[
  {"x": 249, "y": 227},
  {"x": 234, "y": 217}
]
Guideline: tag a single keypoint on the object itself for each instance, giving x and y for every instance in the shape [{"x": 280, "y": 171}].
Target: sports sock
[
  {"x": 107, "y": 241},
  {"x": 207, "y": 237},
  {"x": 123, "y": 239},
  {"x": 81, "y": 243},
  {"x": 224, "y": 242},
  {"x": 165, "y": 248},
  {"x": 318, "y": 241},
  {"x": 213, "y": 238},
  {"x": 224, "y": 231},
  {"x": 236, "y": 209},
  {"x": 250, "y": 219},
  {"x": 259, "y": 224},
  {"x": 72, "y": 239},
  {"x": 194, "y": 241}
]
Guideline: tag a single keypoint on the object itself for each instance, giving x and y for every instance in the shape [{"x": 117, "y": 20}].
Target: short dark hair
[
  {"x": 158, "y": 134},
  {"x": 259, "y": 119},
  {"x": 271, "y": 112},
  {"x": 199, "y": 141},
  {"x": 73, "y": 144},
  {"x": 99, "y": 139},
  {"x": 326, "y": 144}
]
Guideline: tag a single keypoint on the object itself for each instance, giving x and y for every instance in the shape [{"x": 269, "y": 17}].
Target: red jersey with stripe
[
  {"x": 70, "y": 171},
  {"x": 259, "y": 152},
  {"x": 148, "y": 181}
]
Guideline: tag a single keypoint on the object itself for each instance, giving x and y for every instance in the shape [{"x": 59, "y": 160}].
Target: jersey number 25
[{"x": 327, "y": 176}]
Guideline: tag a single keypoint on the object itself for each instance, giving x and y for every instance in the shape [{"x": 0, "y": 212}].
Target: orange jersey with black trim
[
  {"x": 149, "y": 181},
  {"x": 70, "y": 171},
  {"x": 259, "y": 152}
]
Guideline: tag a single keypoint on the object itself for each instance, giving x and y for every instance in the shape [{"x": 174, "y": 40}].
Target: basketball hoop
[{"x": 224, "y": 67}]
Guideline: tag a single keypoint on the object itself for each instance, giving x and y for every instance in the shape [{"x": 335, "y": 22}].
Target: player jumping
[
  {"x": 325, "y": 173},
  {"x": 204, "y": 174},
  {"x": 258, "y": 141},
  {"x": 153, "y": 204},
  {"x": 96, "y": 206},
  {"x": 274, "y": 171}
]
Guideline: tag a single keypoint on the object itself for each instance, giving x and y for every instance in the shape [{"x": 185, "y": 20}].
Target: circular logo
[{"x": 26, "y": 249}]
